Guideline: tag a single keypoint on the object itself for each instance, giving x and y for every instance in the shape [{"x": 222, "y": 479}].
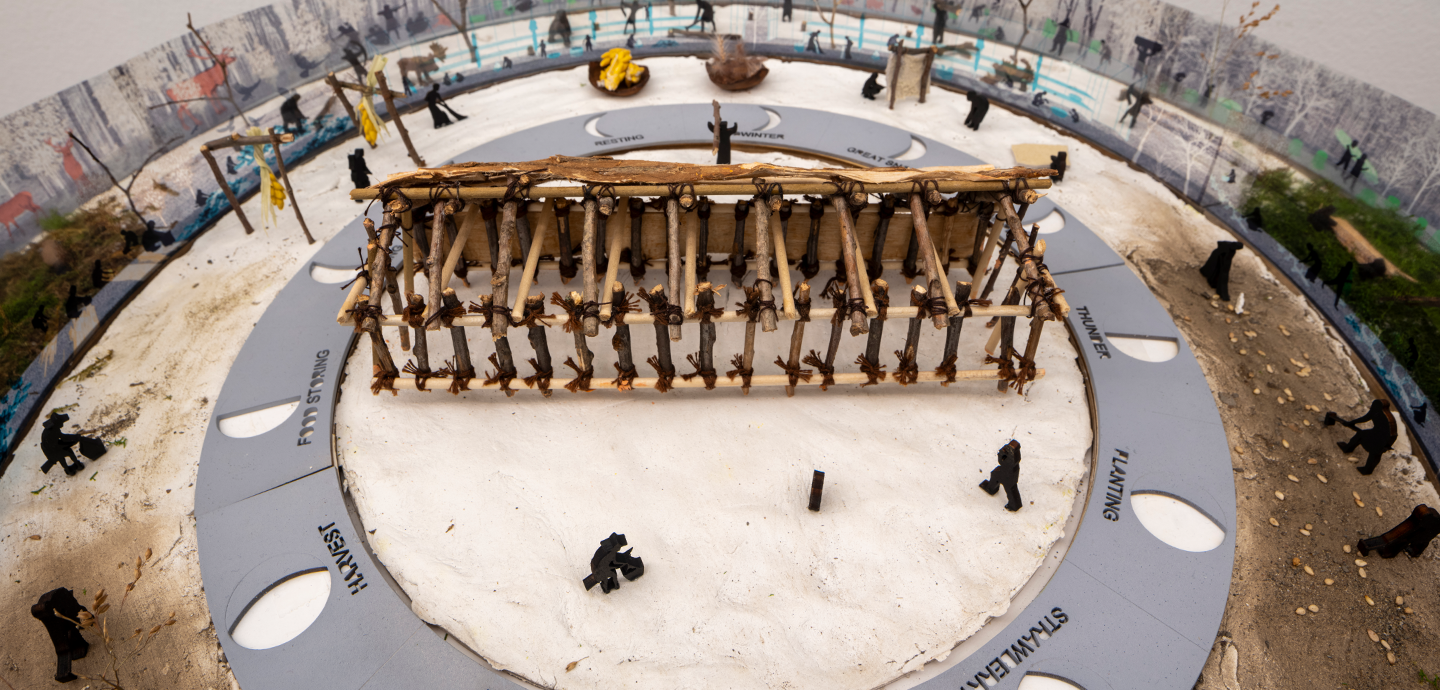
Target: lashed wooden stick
[
  {"x": 587, "y": 252},
  {"x": 672, "y": 263},
  {"x": 852, "y": 275},
  {"x": 763, "y": 282},
  {"x": 755, "y": 381}
]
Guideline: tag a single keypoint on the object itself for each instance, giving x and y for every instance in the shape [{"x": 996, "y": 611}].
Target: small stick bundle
[
  {"x": 797, "y": 337},
  {"x": 856, "y": 303},
  {"x": 764, "y": 298},
  {"x": 705, "y": 362},
  {"x": 907, "y": 371},
  {"x": 575, "y": 311},
  {"x": 952, "y": 334},
  {"x": 738, "y": 267},
  {"x": 637, "y": 247},
  {"x": 810, "y": 265},
  {"x": 385, "y": 372},
  {"x": 463, "y": 369},
  {"x": 702, "y": 259},
  {"x": 566, "y": 253},
  {"x": 620, "y": 305},
  {"x": 870, "y": 361},
  {"x": 414, "y": 315},
  {"x": 540, "y": 343},
  {"x": 836, "y": 292},
  {"x": 882, "y": 228},
  {"x": 660, "y": 310}
]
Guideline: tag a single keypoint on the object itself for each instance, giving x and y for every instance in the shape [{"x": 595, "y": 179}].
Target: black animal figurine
[
  {"x": 607, "y": 559},
  {"x": 1410, "y": 536},
  {"x": 1007, "y": 475},
  {"x": 1217, "y": 268},
  {"x": 872, "y": 86},
  {"x": 57, "y": 446}
]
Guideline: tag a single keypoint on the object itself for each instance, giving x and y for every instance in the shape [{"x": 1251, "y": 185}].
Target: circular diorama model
[{"x": 1146, "y": 573}]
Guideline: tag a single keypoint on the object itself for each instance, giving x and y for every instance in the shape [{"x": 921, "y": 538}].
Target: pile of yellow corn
[{"x": 618, "y": 69}]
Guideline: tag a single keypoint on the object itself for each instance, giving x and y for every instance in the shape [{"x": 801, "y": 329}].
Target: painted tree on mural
[
  {"x": 205, "y": 86},
  {"x": 1090, "y": 21},
  {"x": 1310, "y": 90},
  {"x": 1227, "y": 39}
]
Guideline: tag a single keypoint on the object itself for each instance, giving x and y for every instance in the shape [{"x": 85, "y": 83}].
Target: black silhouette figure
[
  {"x": 1217, "y": 268},
  {"x": 1230, "y": 179},
  {"x": 391, "y": 23},
  {"x": 292, "y": 117},
  {"x": 543, "y": 52},
  {"x": 1075, "y": 116},
  {"x": 1058, "y": 163},
  {"x": 631, "y": 10},
  {"x": 153, "y": 239},
  {"x": 1321, "y": 220},
  {"x": 350, "y": 34},
  {"x": 132, "y": 240},
  {"x": 245, "y": 91},
  {"x": 1418, "y": 412},
  {"x": 893, "y": 41},
  {"x": 588, "y": 46},
  {"x": 40, "y": 321},
  {"x": 435, "y": 102},
  {"x": 70, "y": 645},
  {"x": 1146, "y": 49},
  {"x": 726, "y": 129},
  {"x": 1104, "y": 52},
  {"x": 786, "y": 8},
  {"x": 848, "y": 44},
  {"x": 560, "y": 28},
  {"x": 1315, "y": 261},
  {"x": 97, "y": 275},
  {"x": 1254, "y": 220},
  {"x": 813, "y": 45},
  {"x": 304, "y": 64},
  {"x": 1376, "y": 440},
  {"x": 1342, "y": 281},
  {"x": 230, "y": 165},
  {"x": 1038, "y": 100},
  {"x": 75, "y": 303},
  {"x": 417, "y": 25},
  {"x": 505, "y": 63},
  {"x": 1007, "y": 474},
  {"x": 56, "y": 445},
  {"x": 942, "y": 15},
  {"x": 1062, "y": 35},
  {"x": 1410, "y": 536},
  {"x": 1265, "y": 118},
  {"x": 704, "y": 13},
  {"x": 630, "y": 42},
  {"x": 607, "y": 559},
  {"x": 1372, "y": 270},
  {"x": 872, "y": 86},
  {"x": 979, "y": 106},
  {"x": 1358, "y": 168},
  {"x": 359, "y": 172},
  {"x": 1349, "y": 155},
  {"x": 1412, "y": 353},
  {"x": 378, "y": 36},
  {"x": 1142, "y": 99},
  {"x": 354, "y": 54},
  {"x": 201, "y": 198}
]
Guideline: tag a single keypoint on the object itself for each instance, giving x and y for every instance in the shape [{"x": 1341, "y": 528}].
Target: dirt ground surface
[{"x": 173, "y": 346}]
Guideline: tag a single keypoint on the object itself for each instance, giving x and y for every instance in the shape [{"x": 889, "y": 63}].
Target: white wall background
[{"x": 53, "y": 44}]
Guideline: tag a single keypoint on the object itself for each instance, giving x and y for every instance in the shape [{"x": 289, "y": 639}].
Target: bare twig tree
[
  {"x": 125, "y": 188},
  {"x": 219, "y": 62},
  {"x": 1091, "y": 21},
  {"x": 460, "y": 26},
  {"x": 119, "y": 651},
  {"x": 1024, "y": 27},
  {"x": 830, "y": 21}
]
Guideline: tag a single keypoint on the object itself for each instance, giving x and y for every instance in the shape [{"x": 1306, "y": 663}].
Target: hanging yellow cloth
[
  {"x": 271, "y": 191},
  {"x": 371, "y": 126}
]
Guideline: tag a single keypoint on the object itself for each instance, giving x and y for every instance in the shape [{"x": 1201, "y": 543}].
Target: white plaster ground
[{"x": 181, "y": 334}]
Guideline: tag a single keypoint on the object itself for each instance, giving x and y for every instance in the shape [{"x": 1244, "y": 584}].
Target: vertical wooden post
[
  {"x": 500, "y": 277},
  {"x": 435, "y": 264},
  {"x": 672, "y": 267},
  {"x": 737, "y": 247},
  {"x": 852, "y": 275},
  {"x": 285, "y": 177},
  {"x": 345, "y": 101},
  {"x": 691, "y": 256},
  {"x": 544, "y": 370},
  {"x": 225, "y": 187},
  {"x": 566, "y": 251},
  {"x": 817, "y": 487},
  {"x": 395, "y": 117},
  {"x": 532, "y": 263},
  {"x": 797, "y": 338},
  {"x": 927, "y": 249},
  {"x": 587, "y": 252},
  {"x": 768, "y": 320},
  {"x": 637, "y": 239}
]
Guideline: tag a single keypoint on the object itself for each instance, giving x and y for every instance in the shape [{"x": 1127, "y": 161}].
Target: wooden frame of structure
[
  {"x": 384, "y": 91},
  {"x": 274, "y": 139},
  {"x": 493, "y": 208}
]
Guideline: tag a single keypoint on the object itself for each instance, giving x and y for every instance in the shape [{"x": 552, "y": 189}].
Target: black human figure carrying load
[{"x": 607, "y": 559}]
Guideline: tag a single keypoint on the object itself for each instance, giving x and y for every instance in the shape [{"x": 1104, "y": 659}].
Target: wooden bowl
[
  {"x": 748, "y": 83},
  {"x": 623, "y": 91}
]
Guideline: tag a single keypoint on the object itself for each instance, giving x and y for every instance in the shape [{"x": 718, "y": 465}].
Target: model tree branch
[
  {"x": 1024, "y": 27},
  {"x": 124, "y": 189},
  {"x": 460, "y": 26},
  {"x": 229, "y": 96},
  {"x": 830, "y": 21}
]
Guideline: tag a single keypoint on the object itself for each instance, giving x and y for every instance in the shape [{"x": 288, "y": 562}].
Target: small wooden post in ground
[
  {"x": 817, "y": 487},
  {"x": 285, "y": 177},
  {"x": 349, "y": 109},
  {"x": 225, "y": 187},
  {"x": 395, "y": 117}
]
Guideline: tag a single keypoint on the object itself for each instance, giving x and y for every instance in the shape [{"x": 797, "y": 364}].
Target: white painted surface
[
  {"x": 1176, "y": 522},
  {"x": 257, "y": 422},
  {"x": 282, "y": 613},
  {"x": 1146, "y": 349},
  {"x": 1051, "y": 223},
  {"x": 1034, "y": 682},
  {"x": 331, "y": 275}
]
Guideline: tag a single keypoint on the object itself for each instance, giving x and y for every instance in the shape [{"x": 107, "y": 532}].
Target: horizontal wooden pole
[
  {"x": 439, "y": 383},
  {"x": 822, "y": 315},
  {"x": 235, "y": 140},
  {"x": 350, "y": 299},
  {"x": 737, "y": 188},
  {"x": 363, "y": 89}
]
